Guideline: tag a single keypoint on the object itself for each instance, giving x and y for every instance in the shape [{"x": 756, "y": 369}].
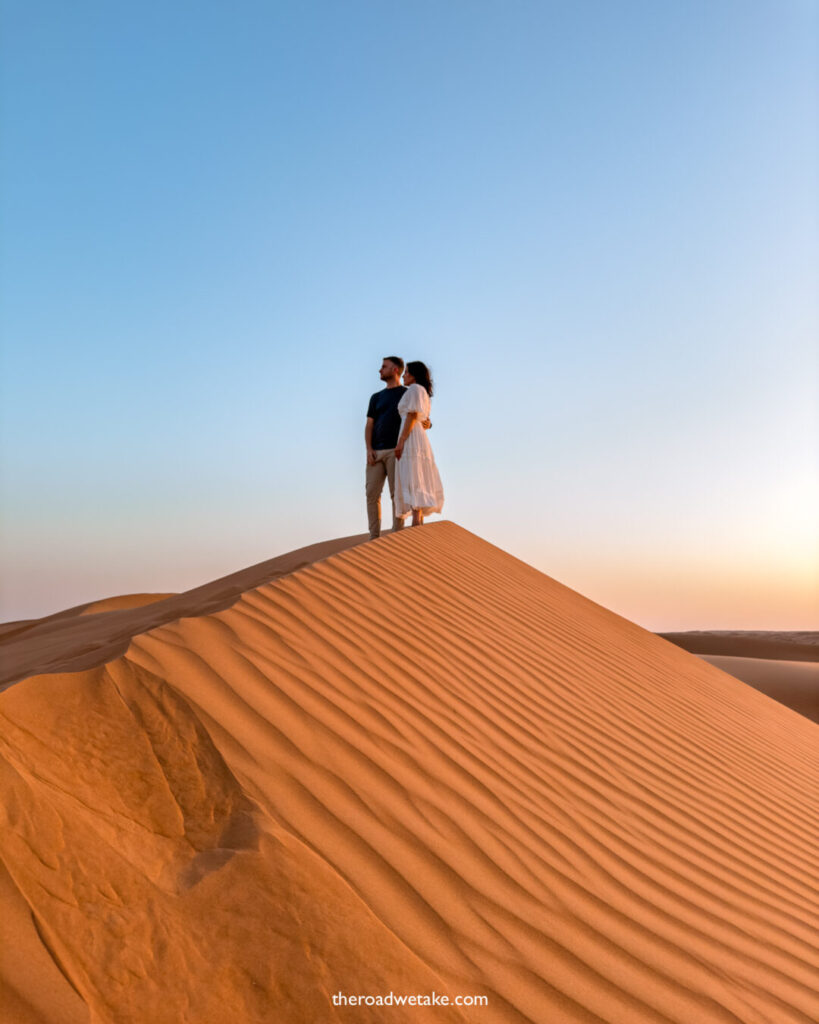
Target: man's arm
[{"x": 368, "y": 440}]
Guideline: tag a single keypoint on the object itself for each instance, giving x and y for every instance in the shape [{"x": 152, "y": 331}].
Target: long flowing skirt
[{"x": 417, "y": 481}]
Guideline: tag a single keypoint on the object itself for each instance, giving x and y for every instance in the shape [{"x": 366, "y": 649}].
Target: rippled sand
[{"x": 417, "y": 764}]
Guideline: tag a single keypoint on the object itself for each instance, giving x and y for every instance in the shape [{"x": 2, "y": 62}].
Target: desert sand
[
  {"x": 793, "y": 683},
  {"x": 411, "y": 765},
  {"x": 783, "y": 665}
]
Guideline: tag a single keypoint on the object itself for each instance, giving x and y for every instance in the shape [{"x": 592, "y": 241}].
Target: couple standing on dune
[{"x": 398, "y": 448}]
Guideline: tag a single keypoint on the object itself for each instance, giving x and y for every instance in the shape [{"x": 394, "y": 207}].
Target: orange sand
[
  {"x": 417, "y": 764},
  {"x": 793, "y": 683},
  {"x": 60, "y": 642}
]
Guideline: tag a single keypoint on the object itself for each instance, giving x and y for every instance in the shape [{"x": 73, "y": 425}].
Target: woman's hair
[{"x": 421, "y": 374}]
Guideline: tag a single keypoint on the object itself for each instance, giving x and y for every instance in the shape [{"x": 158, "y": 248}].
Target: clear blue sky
[{"x": 597, "y": 220}]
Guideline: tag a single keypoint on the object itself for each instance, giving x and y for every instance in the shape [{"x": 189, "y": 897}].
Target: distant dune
[
  {"x": 793, "y": 683},
  {"x": 413, "y": 765},
  {"x": 785, "y": 666},
  {"x": 795, "y": 645}
]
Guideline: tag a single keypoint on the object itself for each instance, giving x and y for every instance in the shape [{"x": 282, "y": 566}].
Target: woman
[{"x": 417, "y": 483}]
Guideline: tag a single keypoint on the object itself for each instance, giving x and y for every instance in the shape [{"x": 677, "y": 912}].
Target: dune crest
[
  {"x": 115, "y": 604},
  {"x": 71, "y": 640},
  {"x": 418, "y": 764}
]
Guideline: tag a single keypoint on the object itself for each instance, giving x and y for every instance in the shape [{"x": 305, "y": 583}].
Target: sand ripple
[{"x": 418, "y": 764}]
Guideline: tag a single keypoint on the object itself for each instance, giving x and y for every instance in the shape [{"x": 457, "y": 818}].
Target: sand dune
[
  {"x": 417, "y": 764},
  {"x": 793, "y": 683},
  {"x": 793, "y": 645},
  {"x": 782, "y": 665},
  {"x": 60, "y": 643},
  {"x": 115, "y": 604}
]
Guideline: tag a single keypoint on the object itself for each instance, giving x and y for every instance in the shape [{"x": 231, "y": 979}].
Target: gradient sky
[{"x": 597, "y": 221}]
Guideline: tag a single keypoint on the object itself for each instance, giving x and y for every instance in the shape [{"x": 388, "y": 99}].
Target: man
[{"x": 381, "y": 437}]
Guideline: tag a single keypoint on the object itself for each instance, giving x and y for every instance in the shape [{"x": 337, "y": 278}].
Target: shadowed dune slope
[
  {"x": 115, "y": 604},
  {"x": 416, "y": 765},
  {"x": 90, "y": 634}
]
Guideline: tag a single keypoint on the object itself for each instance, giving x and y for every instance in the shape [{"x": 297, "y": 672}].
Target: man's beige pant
[{"x": 384, "y": 468}]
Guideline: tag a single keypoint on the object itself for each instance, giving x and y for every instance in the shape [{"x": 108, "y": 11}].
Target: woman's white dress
[{"x": 417, "y": 483}]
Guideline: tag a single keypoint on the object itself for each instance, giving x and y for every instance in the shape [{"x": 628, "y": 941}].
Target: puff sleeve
[{"x": 415, "y": 400}]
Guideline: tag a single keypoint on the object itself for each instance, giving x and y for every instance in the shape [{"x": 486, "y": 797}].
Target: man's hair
[{"x": 399, "y": 362}]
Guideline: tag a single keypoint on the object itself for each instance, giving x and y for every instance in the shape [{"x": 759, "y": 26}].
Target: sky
[{"x": 596, "y": 220}]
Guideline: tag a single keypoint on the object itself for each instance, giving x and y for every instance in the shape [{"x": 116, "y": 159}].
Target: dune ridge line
[{"x": 418, "y": 762}]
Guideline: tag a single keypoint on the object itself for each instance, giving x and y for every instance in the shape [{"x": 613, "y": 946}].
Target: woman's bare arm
[{"x": 409, "y": 423}]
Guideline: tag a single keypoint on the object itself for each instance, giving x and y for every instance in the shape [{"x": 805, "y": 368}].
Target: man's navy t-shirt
[{"x": 383, "y": 410}]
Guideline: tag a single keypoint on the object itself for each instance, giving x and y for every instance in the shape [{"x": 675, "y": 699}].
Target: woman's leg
[{"x": 417, "y": 517}]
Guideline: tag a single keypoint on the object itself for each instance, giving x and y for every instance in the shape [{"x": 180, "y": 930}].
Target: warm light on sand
[{"x": 417, "y": 764}]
